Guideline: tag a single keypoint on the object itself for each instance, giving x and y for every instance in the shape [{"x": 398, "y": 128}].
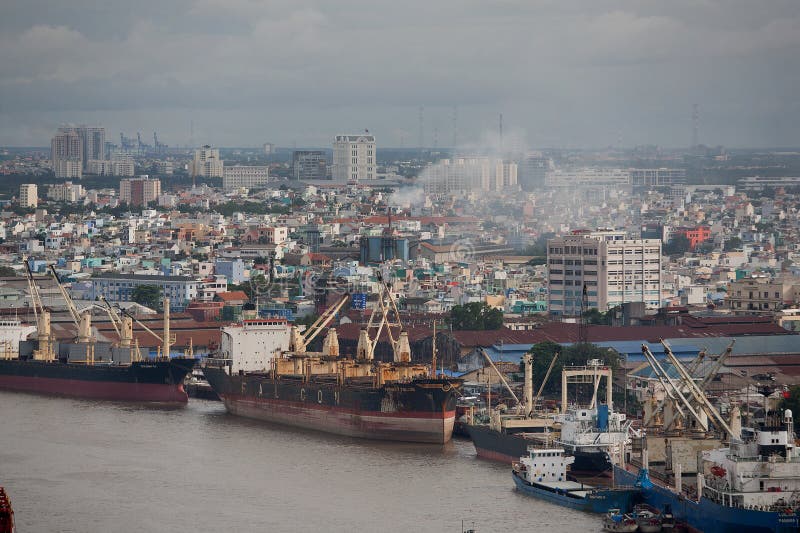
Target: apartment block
[
  {"x": 251, "y": 177},
  {"x": 28, "y": 195},
  {"x": 758, "y": 295},
  {"x": 139, "y": 191}
]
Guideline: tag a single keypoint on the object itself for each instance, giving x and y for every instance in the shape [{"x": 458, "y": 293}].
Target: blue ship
[
  {"x": 543, "y": 474},
  {"x": 706, "y": 515}
]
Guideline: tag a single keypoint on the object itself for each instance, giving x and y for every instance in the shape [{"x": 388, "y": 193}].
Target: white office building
[
  {"x": 614, "y": 269},
  {"x": 207, "y": 163},
  {"x": 66, "y": 192},
  {"x": 588, "y": 177},
  {"x": 354, "y": 157},
  {"x": 251, "y": 177}
]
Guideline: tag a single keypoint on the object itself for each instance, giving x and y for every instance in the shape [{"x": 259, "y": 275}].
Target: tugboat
[
  {"x": 543, "y": 474},
  {"x": 617, "y": 522}
]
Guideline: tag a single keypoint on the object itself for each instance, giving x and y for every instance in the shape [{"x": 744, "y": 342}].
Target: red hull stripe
[
  {"x": 97, "y": 390},
  {"x": 495, "y": 456},
  {"x": 372, "y": 425}
]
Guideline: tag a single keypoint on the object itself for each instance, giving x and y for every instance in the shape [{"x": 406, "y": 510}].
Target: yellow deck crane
[
  {"x": 45, "y": 350},
  {"x": 167, "y": 340}
]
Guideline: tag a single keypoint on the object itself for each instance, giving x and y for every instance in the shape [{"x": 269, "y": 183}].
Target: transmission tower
[{"x": 695, "y": 124}]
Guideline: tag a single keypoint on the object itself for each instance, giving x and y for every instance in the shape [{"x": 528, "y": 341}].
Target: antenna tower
[
  {"x": 421, "y": 129},
  {"x": 695, "y": 124}
]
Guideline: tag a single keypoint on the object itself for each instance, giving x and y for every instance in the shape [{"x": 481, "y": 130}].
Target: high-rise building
[
  {"x": 533, "y": 171},
  {"x": 93, "y": 141},
  {"x": 73, "y": 148},
  {"x": 614, "y": 269},
  {"x": 251, "y": 177},
  {"x": 28, "y": 195},
  {"x": 119, "y": 165},
  {"x": 139, "y": 191},
  {"x": 354, "y": 157},
  {"x": 207, "y": 163},
  {"x": 309, "y": 165},
  {"x": 469, "y": 174},
  {"x": 66, "y": 153},
  {"x": 588, "y": 177}
]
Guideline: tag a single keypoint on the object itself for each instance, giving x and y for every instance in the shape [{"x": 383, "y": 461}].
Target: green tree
[
  {"x": 677, "y": 245},
  {"x": 575, "y": 355},
  {"x": 147, "y": 295},
  {"x": 594, "y": 316},
  {"x": 476, "y": 316},
  {"x": 732, "y": 244},
  {"x": 7, "y": 272}
]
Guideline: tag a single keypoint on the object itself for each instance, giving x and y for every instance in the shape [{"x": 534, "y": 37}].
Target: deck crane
[
  {"x": 167, "y": 339},
  {"x": 123, "y": 325},
  {"x": 83, "y": 321},
  {"x": 45, "y": 350},
  {"x": 401, "y": 346},
  {"x": 299, "y": 342},
  {"x": 692, "y": 369}
]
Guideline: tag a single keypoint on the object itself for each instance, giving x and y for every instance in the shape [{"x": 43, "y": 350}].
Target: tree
[
  {"x": 148, "y": 296},
  {"x": 7, "y": 272},
  {"x": 475, "y": 316},
  {"x": 594, "y": 316},
  {"x": 678, "y": 245},
  {"x": 733, "y": 243},
  {"x": 575, "y": 355}
]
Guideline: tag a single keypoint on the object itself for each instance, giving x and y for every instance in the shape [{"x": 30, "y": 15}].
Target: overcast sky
[{"x": 587, "y": 73}]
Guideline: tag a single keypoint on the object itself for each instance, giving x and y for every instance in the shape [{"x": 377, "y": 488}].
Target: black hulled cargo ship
[
  {"x": 140, "y": 381},
  {"x": 85, "y": 367},
  {"x": 417, "y": 410},
  {"x": 264, "y": 371}
]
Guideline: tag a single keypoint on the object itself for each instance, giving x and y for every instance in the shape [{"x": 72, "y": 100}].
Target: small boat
[
  {"x": 647, "y": 518},
  {"x": 617, "y": 522},
  {"x": 543, "y": 474}
]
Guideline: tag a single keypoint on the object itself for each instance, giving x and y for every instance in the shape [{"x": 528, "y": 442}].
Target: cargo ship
[
  {"x": 753, "y": 485},
  {"x": 589, "y": 434},
  {"x": 542, "y": 473},
  {"x": 86, "y": 368},
  {"x": 264, "y": 371}
]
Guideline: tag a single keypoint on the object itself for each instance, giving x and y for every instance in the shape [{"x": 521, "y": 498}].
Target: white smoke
[{"x": 407, "y": 197}]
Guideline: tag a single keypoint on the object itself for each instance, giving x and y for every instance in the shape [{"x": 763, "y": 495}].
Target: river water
[{"x": 85, "y": 466}]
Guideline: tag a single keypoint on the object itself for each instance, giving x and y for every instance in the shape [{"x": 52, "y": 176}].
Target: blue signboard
[{"x": 358, "y": 301}]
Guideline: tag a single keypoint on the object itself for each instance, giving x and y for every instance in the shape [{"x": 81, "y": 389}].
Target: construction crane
[
  {"x": 299, "y": 342},
  {"x": 83, "y": 321},
  {"x": 45, "y": 350}
]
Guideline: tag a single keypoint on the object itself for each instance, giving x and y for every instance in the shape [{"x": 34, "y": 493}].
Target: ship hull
[
  {"x": 145, "y": 381},
  {"x": 707, "y": 516},
  {"x": 419, "y": 411},
  {"x": 596, "y": 501},
  {"x": 509, "y": 447}
]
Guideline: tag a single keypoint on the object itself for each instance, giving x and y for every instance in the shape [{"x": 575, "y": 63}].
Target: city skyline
[{"x": 240, "y": 73}]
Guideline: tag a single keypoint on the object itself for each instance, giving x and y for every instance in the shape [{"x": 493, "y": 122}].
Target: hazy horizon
[{"x": 586, "y": 74}]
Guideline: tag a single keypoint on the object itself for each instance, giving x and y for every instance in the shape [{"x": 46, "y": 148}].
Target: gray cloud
[{"x": 570, "y": 73}]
